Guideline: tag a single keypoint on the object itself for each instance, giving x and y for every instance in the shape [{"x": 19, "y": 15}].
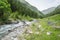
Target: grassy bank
[{"x": 43, "y": 30}]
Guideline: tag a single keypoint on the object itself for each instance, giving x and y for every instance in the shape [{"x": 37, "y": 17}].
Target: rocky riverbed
[{"x": 18, "y": 30}]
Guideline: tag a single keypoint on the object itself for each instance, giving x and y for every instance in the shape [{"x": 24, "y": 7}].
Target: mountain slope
[
  {"x": 56, "y": 11},
  {"x": 47, "y": 11},
  {"x": 31, "y": 7},
  {"x": 24, "y": 8}
]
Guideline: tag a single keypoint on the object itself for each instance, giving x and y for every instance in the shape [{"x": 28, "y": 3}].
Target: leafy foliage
[{"x": 4, "y": 9}]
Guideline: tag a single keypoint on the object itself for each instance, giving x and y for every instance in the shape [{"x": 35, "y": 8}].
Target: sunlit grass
[{"x": 43, "y": 31}]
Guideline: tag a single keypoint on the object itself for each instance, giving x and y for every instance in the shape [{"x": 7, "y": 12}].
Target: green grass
[
  {"x": 44, "y": 29},
  {"x": 56, "y": 18},
  {"x": 18, "y": 16}
]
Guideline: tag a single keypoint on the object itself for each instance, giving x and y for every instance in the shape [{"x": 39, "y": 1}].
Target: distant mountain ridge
[
  {"x": 54, "y": 12},
  {"x": 57, "y": 10},
  {"x": 49, "y": 10}
]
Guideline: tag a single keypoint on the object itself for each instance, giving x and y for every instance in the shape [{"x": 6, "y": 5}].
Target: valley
[{"x": 19, "y": 20}]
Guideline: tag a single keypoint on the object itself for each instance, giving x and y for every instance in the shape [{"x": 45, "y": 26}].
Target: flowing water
[{"x": 4, "y": 28}]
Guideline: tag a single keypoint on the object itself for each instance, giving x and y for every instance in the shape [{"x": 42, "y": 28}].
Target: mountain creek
[{"x": 10, "y": 32}]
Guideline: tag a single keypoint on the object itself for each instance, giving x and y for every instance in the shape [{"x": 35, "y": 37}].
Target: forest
[{"x": 14, "y": 9}]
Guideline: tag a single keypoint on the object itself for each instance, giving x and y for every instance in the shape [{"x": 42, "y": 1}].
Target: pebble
[
  {"x": 48, "y": 33},
  {"x": 39, "y": 26},
  {"x": 29, "y": 31},
  {"x": 15, "y": 39},
  {"x": 36, "y": 32}
]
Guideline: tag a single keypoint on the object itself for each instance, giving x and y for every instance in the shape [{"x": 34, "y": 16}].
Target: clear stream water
[{"x": 4, "y": 28}]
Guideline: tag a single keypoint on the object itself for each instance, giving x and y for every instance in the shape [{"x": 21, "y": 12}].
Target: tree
[{"x": 4, "y": 9}]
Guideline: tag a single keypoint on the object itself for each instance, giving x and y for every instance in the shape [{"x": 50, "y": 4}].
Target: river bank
[{"x": 11, "y": 33}]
